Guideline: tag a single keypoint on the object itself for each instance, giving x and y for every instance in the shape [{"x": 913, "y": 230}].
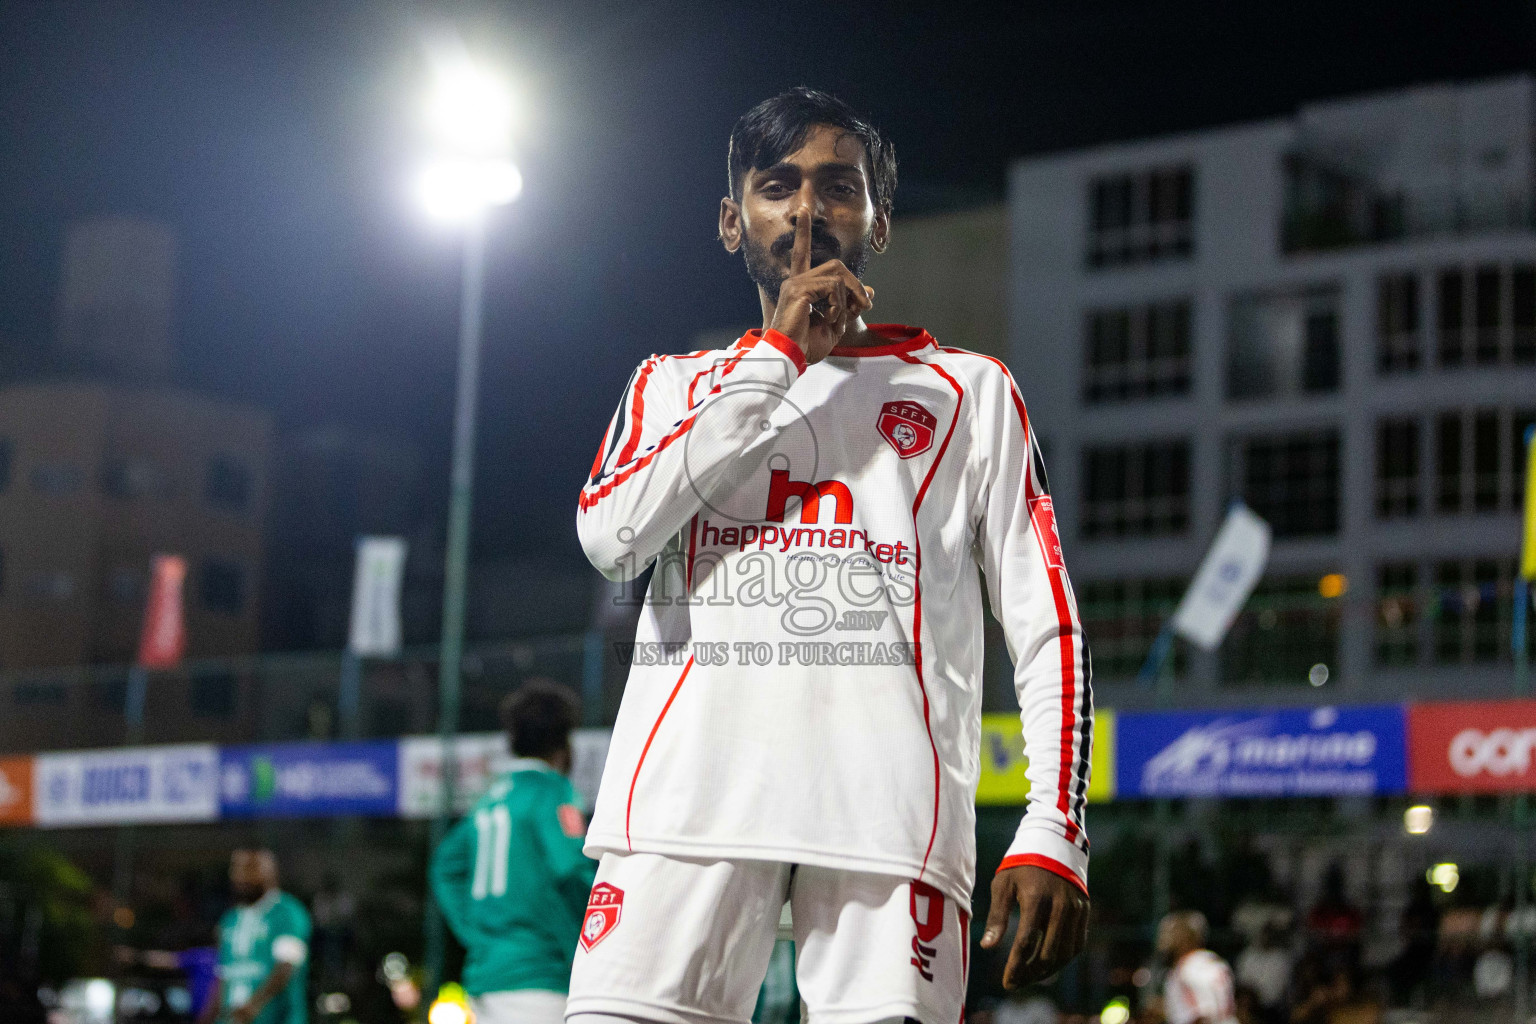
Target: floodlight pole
[
  {"x": 1521, "y": 649},
  {"x": 456, "y": 569}
]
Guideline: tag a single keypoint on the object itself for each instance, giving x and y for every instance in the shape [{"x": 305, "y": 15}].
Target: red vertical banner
[
  {"x": 15, "y": 790},
  {"x": 164, "y": 639}
]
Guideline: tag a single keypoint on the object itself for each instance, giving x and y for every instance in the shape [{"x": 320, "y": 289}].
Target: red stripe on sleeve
[{"x": 1051, "y": 864}]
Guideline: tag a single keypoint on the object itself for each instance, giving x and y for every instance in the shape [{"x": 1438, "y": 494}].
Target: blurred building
[
  {"x": 102, "y": 465},
  {"x": 1331, "y": 316}
]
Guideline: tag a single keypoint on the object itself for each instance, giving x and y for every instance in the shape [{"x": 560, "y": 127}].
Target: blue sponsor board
[
  {"x": 1327, "y": 751},
  {"x": 298, "y": 780}
]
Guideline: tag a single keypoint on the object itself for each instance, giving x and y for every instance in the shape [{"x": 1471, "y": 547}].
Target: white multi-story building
[{"x": 1331, "y": 316}]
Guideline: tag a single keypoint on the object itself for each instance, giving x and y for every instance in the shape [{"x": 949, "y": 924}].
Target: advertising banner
[
  {"x": 1327, "y": 751},
  {"x": 1472, "y": 747},
  {"x": 479, "y": 757},
  {"x": 300, "y": 780},
  {"x": 15, "y": 790},
  {"x": 127, "y": 785},
  {"x": 1003, "y": 780}
]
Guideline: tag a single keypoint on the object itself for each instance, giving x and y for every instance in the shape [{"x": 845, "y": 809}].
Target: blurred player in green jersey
[
  {"x": 511, "y": 878},
  {"x": 263, "y": 949}
]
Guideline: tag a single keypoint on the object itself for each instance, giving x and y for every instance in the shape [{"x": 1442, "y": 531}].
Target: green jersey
[
  {"x": 253, "y": 940},
  {"x": 513, "y": 883}
]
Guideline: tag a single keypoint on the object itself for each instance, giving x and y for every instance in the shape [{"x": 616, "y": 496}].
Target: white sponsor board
[
  {"x": 127, "y": 786},
  {"x": 480, "y": 757},
  {"x": 1231, "y": 568}
]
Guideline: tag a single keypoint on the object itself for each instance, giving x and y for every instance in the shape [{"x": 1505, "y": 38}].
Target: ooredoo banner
[
  {"x": 298, "y": 780},
  {"x": 1472, "y": 747},
  {"x": 1326, "y": 751}
]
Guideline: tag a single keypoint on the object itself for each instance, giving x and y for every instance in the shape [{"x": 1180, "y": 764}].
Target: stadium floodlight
[
  {"x": 469, "y": 108},
  {"x": 1444, "y": 877},
  {"x": 469, "y": 115},
  {"x": 458, "y": 189}
]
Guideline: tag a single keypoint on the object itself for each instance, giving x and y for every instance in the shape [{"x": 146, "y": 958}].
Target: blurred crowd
[{"x": 1276, "y": 966}]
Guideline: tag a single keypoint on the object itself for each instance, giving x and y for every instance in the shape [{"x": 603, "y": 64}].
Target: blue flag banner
[
  {"x": 1327, "y": 751},
  {"x": 300, "y": 780}
]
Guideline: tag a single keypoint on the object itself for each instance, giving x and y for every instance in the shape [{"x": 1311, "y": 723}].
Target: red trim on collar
[{"x": 901, "y": 337}]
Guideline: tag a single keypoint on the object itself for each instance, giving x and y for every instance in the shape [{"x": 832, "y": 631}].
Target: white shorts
[
  {"x": 683, "y": 941},
  {"x": 520, "y": 1006}
]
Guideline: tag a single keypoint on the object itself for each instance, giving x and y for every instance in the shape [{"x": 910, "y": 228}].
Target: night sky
[{"x": 277, "y": 138}]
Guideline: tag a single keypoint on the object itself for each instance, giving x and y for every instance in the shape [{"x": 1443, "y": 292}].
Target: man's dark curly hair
[
  {"x": 777, "y": 127},
  {"x": 539, "y": 717}
]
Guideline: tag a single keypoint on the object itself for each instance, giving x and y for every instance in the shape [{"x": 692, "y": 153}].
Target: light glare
[
  {"x": 1419, "y": 819},
  {"x": 457, "y": 190},
  {"x": 470, "y": 109},
  {"x": 1444, "y": 877}
]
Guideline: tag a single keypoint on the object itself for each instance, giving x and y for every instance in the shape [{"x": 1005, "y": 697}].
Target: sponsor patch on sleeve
[{"x": 572, "y": 822}]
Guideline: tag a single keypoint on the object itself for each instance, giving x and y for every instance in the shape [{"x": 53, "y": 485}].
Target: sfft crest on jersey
[
  {"x": 907, "y": 426},
  {"x": 603, "y": 908}
]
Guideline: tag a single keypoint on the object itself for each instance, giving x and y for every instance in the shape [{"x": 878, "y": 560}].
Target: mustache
[{"x": 823, "y": 244}]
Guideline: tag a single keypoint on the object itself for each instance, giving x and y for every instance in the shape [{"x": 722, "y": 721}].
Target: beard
[
  {"x": 768, "y": 265},
  {"x": 247, "y": 894}
]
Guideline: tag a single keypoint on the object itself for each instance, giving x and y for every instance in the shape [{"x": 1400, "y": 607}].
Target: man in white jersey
[
  {"x": 1198, "y": 989},
  {"x": 802, "y": 720}
]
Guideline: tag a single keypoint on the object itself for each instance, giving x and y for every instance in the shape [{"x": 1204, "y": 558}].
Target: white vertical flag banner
[
  {"x": 1230, "y": 571},
  {"x": 375, "y": 631}
]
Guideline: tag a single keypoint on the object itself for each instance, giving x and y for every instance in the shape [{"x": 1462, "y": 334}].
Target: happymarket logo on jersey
[{"x": 1324, "y": 751}]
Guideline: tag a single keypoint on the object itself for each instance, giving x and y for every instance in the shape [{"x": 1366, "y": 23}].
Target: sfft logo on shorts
[
  {"x": 603, "y": 909},
  {"x": 928, "y": 916},
  {"x": 907, "y": 426}
]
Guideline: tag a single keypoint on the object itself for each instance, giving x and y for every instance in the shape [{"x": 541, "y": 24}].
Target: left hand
[{"x": 1053, "y": 923}]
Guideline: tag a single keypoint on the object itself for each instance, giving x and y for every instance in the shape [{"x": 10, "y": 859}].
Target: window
[
  {"x": 1397, "y": 468},
  {"x": 223, "y": 587},
  {"x": 34, "y": 694},
  {"x": 1284, "y": 630},
  {"x": 1141, "y": 217},
  {"x": 1486, "y": 315},
  {"x": 55, "y": 479},
  {"x": 1283, "y": 344},
  {"x": 133, "y": 478},
  {"x": 1397, "y": 323},
  {"x": 110, "y": 694},
  {"x": 1136, "y": 490},
  {"x": 1291, "y": 480},
  {"x": 228, "y": 485},
  {"x": 213, "y": 694},
  {"x": 1474, "y": 604},
  {"x": 1137, "y": 352},
  {"x": 1397, "y": 614},
  {"x": 1123, "y": 617},
  {"x": 50, "y": 586},
  {"x": 1479, "y": 460}
]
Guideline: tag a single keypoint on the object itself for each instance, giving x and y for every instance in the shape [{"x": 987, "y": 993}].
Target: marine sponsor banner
[
  {"x": 127, "y": 785},
  {"x": 15, "y": 790},
  {"x": 1326, "y": 751},
  {"x": 478, "y": 758},
  {"x": 1472, "y": 747},
  {"x": 298, "y": 780},
  {"x": 1003, "y": 779}
]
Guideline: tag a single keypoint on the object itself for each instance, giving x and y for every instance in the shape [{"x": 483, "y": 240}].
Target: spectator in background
[
  {"x": 1419, "y": 927},
  {"x": 263, "y": 949},
  {"x": 1334, "y": 926},
  {"x": 1198, "y": 989},
  {"x": 511, "y": 878},
  {"x": 1265, "y": 968}
]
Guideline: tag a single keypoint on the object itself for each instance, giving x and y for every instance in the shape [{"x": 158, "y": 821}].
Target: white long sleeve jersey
[{"x": 806, "y": 680}]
